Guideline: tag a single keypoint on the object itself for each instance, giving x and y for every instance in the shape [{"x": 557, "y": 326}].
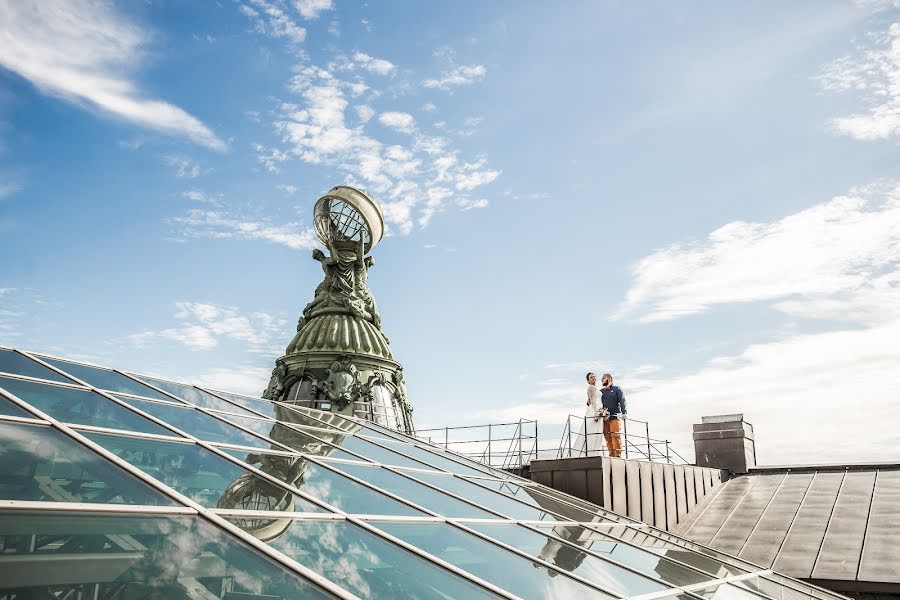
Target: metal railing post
[
  {"x": 489, "y": 446},
  {"x": 647, "y": 432},
  {"x": 569, "y": 427},
  {"x": 446, "y": 438},
  {"x": 625, "y": 434},
  {"x": 584, "y": 435},
  {"x": 668, "y": 460}
]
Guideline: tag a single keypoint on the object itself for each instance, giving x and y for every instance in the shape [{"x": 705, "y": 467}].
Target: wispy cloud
[
  {"x": 873, "y": 74},
  {"x": 202, "y": 326},
  {"x": 458, "y": 76},
  {"x": 273, "y": 21},
  {"x": 185, "y": 168},
  {"x": 845, "y": 248},
  {"x": 311, "y": 9},
  {"x": 84, "y": 51},
  {"x": 222, "y": 225},
  {"x": 201, "y": 196},
  {"x": 400, "y": 121}
]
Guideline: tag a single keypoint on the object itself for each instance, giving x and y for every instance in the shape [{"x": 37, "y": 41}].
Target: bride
[{"x": 592, "y": 424}]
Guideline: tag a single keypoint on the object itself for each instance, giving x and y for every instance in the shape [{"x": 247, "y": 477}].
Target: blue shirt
[{"x": 613, "y": 400}]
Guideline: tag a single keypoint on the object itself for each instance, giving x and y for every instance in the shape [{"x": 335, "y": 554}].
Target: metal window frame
[{"x": 301, "y": 570}]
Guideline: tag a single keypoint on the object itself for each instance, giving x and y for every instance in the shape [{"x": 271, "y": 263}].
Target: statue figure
[
  {"x": 342, "y": 384},
  {"x": 275, "y": 388}
]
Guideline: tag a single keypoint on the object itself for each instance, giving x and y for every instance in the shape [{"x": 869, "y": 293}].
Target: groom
[{"x": 614, "y": 401}]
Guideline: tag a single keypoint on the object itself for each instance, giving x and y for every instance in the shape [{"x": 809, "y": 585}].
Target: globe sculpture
[{"x": 339, "y": 359}]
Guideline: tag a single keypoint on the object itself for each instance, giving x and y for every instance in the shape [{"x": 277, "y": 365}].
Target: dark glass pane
[
  {"x": 415, "y": 492},
  {"x": 433, "y": 458},
  {"x": 330, "y": 487},
  {"x": 10, "y": 408},
  {"x": 512, "y": 572},
  {"x": 203, "y": 476},
  {"x": 367, "y": 565},
  {"x": 647, "y": 562},
  {"x": 13, "y": 362},
  {"x": 41, "y": 463},
  {"x": 193, "y": 395},
  {"x": 488, "y": 498},
  {"x": 71, "y": 405},
  {"x": 80, "y": 555},
  {"x": 105, "y": 379},
  {"x": 196, "y": 423},
  {"x": 258, "y": 404}
]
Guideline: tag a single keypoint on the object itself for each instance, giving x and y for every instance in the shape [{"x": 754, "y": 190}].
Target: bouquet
[{"x": 602, "y": 413}]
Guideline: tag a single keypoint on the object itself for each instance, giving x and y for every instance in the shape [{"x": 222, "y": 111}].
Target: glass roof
[{"x": 178, "y": 491}]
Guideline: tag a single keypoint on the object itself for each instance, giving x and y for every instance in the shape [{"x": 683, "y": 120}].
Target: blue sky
[{"x": 699, "y": 197}]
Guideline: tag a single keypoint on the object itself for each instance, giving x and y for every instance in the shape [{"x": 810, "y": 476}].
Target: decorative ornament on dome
[{"x": 347, "y": 216}]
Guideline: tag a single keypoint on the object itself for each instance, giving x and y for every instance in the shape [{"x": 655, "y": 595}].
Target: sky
[{"x": 702, "y": 198}]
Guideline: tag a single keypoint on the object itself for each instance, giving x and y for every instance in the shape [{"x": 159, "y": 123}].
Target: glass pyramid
[{"x": 117, "y": 485}]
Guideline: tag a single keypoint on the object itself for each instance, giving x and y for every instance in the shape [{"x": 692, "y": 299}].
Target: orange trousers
[{"x": 611, "y": 431}]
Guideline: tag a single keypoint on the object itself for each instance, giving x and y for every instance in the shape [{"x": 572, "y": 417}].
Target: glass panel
[
  {"x": 654, "y": 565},
  {"x": 71, "y": 405},
  {"x": 574, "y": 559},
  {"x": 258, "y": 404},
  {"x": 13, "y": 362},
  {"x": 72, "y": 555},
  {"x": 332, "y": 488},
  {"x": 367, "y": 565},
  {"x": 512, "y": 572},
  {"x": 498, "y": 502},
  {"x": 203, "y": 476},
  {"x": 530, "y": 495},
  {"x": 334, "y": 453},
  {"x": 193, "y": 395},
  {"x": 38, "y": 462},
  {"x": 725, "y": 591},
  {"x": 196, "y": 423},
  {"x": 10, "y": 408},
  {"x": 255, "y": 425},
  {"x": 646, "y": 540},
  {"x": 415, "y": 492},
  {"x": 105, "y": 379},
  {"x": 325, "y": 419},
  {"x": 433, "y": 458},
  {"x": 372, "y": 451}
]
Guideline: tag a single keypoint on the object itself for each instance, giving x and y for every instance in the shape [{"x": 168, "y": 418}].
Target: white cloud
[
  {"x": 457, "y": 76},
  {"x": 201, "y": 196},
  {"x": 429, "y": 107},
  {"x": 378, "y": 66},
  {"x": 467, "y": 204},
  {"x": 473, "y": 175},
  {"x": 245, "y": 379},
  {"x": 845, "y": 248},
  {"x": 202, "y": 326},
  {"x": 364, "y": 112},
  {"x": 8, "y": 188},
  {"x": 185, "y": 168},
  {"x": 874, "y": 76},
  {"x": 208, "y": 224},
  {"x": 272, "y": 21},
  {"x": 84, "y": 51},
  {"x": 270, "y": 157},
  {"x": 400, "y": 121},
  {"x": 311, "y": 9},
  {"x": 288, "y": 189}
]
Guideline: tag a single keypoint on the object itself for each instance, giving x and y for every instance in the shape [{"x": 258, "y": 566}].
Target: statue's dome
[{"x": 341, "y": 333}]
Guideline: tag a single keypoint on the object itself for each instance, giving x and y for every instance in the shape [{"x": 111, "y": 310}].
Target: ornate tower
[{"x": 339, "y": 360}]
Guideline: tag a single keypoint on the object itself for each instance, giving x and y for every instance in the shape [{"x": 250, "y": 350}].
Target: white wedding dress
[{"x": 589, "y": 440}]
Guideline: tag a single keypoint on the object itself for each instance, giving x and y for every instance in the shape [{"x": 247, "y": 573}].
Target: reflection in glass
[
  {"x": 38, "y": 462},
  {"x": 498, "y": 502},
  {"x": 434, "y": 459},
  {"x": 328, "y": 486},
  {"x": 10, "y": 408},
  {"x": 572, "y": 558},
  {"x": 416, "y": 492},
  {"x": 203, "y": 476},
  {"x": 128, "y": 557},
  {"x": 193, "y": 395},
  {"x": 512, "y": 572},
  {"x": 105, "y": 379},
  {"x": 196, "y": 423},
  {"x": 649, "y": 563},
  {"x": 368, "y": 566},
  {"x": 83, "y": 407},
  {"x": 530, "y": 496},
  {"x": 725, "y": 591},
  {"x": 19, "y": 364},
  {"x": 369, "y": 450},
  {"x": 258, "y": 404}
]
